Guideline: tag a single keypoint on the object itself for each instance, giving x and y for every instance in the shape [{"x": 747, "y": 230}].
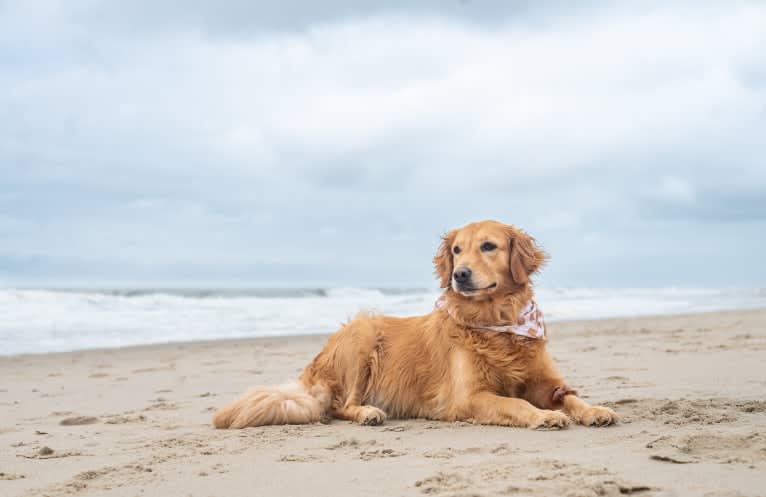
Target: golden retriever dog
[{"x": 479, "y": 356}]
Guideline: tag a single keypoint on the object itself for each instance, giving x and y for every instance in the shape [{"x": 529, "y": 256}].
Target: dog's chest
[{"x": 496, "y": 362}]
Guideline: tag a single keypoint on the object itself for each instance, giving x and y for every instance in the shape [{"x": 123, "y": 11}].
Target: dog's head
[{"x": 482, "y": 258}]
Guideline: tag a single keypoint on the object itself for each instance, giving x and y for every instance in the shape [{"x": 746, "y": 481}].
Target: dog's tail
[{"x": 292, "y": 403}]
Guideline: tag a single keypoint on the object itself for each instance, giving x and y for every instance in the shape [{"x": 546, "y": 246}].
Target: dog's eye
[
  {"x": 488, "y": 247},
  {"x": 455, "y": 249}
]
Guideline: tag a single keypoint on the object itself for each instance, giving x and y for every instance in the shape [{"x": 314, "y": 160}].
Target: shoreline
[
  {"x": 136, "y": 420},
  {"x": 42, "y": 321},
  {"x": 567, "y": 323}
]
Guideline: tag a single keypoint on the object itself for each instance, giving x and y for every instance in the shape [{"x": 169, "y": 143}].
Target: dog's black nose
[{"x": 462, "y": 274}]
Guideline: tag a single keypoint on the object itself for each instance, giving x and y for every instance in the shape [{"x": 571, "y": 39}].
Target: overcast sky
[{"x": 331, "y": 143}]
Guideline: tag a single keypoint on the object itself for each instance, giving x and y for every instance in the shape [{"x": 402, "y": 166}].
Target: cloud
[
  {"x": 238, "y": 18},
  {"x": 676, "y": 190},
  {"x": 195, "y": 139}
]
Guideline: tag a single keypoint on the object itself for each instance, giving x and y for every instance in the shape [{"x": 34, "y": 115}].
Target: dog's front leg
[
  {"x": 586, "y": 414},
  {"x": 491, "y": 409},
  {"x": 554, "y": 394}
]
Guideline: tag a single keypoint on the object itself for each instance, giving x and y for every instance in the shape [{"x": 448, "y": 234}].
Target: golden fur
[{"x": 436, "y": 366}]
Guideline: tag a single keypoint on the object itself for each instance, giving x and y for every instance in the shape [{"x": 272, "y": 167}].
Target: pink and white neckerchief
[{"x": 530, "y": 322}]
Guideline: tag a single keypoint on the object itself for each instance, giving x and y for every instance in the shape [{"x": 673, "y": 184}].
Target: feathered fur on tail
[{"x": 291, "y": 403}]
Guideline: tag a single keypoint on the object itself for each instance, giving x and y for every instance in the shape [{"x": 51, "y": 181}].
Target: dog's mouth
[{"x": 473, "y": 291}]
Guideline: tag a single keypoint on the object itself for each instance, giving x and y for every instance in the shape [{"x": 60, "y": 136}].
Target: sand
[{"x": 135, "y": 421}]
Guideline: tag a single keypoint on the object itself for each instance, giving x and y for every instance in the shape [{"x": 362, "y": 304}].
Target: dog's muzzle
[{"x": 462, "y": 277}]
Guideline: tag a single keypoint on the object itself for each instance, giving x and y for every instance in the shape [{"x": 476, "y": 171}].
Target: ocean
[{"x": 44, "y": 320}]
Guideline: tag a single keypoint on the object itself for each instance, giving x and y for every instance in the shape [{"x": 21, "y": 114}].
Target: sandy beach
[{"x": 136, "y": 421}]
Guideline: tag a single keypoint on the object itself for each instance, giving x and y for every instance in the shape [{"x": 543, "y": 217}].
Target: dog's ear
[
  {"x": 443, "y": 260},
  {"x": 526, "y": 257}
]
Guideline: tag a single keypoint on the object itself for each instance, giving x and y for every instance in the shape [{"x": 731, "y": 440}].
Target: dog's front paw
[
  {"x": 597, "y": 416},
  {"x": 551, "y": 420},
  {"x": 371, "y": 416}
]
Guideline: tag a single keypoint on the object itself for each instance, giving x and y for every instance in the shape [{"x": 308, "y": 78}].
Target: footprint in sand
[
  {"x": 368, "y": 455},
  {"x": 442, "y": 482},
  {"x": 304, "y": 458},
  {"x": 398, "y": 429},
  {"x": 621, "y": 379},
  {"x": 79, "y": 420},
  {"x": 11, "y": 476},
  {"x": 679, "y": 412},
  {"x": 169, "y": 367},
  {"x": 48, "y": 453},
  {"x": 751, "y": 405},
  {"x": 100, "y": 479},
  {"x": 119, "y": 419},
  {"x": 556, "y": 478},
  {"x": 715, "y": 447},
  {"x": 351, "y": 443},
  {"x": 449, "y": 452},
  {"x": 161, "y": 403}
]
